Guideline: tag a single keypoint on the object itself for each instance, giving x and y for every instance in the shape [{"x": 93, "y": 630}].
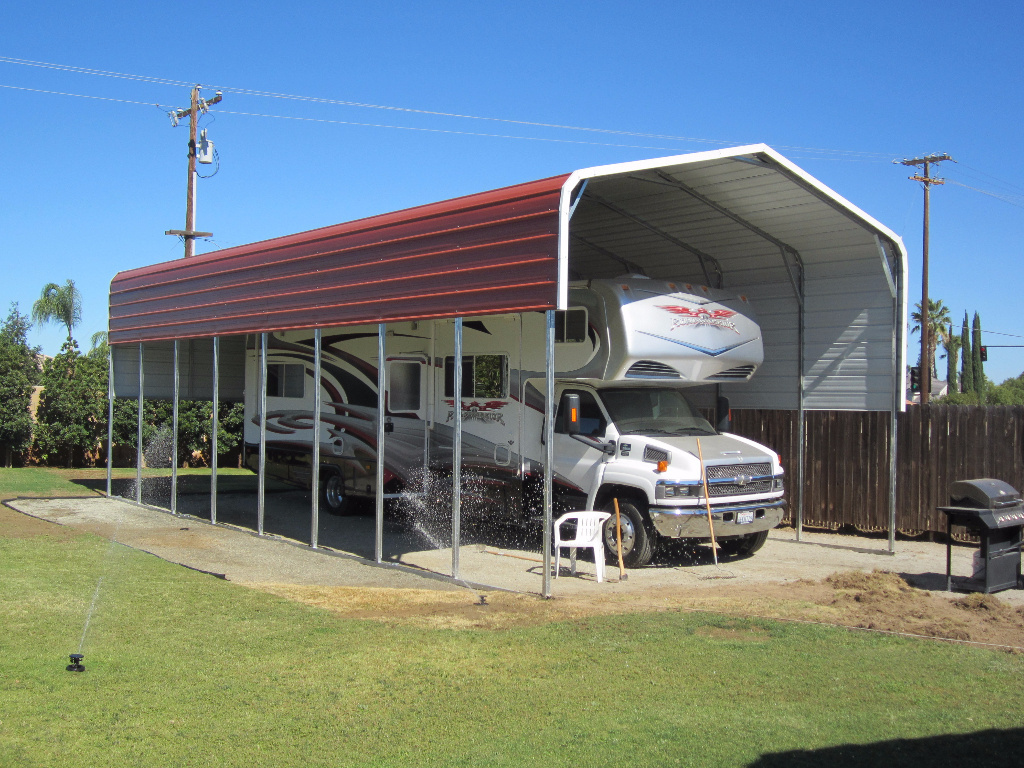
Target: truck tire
[
  {"x": 744, "y": 546},
  {"x": 637, "y": 540},
  {"x": 335, "y": 500}
]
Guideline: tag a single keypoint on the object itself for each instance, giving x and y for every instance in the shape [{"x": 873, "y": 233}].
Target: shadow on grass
[{"x": 983, "y": 749}]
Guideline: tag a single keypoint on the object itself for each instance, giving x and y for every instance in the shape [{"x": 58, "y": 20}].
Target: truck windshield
[{"x": 642, "y": 411}]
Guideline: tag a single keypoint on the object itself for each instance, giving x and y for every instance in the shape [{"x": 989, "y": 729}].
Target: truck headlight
[
  {"x": 777, "y": 483},
  {"x": 675, "y": 490}
]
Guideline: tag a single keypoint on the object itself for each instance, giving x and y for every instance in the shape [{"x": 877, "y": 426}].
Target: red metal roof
[{"x": 486, "y": 253}]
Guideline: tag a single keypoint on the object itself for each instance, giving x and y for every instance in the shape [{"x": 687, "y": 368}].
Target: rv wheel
[
  {"x": 637, "y": 542},
  {"x": 335, "y": 500},
  {"x": 744, "y": 546}
]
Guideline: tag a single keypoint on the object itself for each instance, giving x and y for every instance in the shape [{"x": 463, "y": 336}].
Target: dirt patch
[
  {"x": 15, "y": 525},
  {"x": 878, "y": 600}
]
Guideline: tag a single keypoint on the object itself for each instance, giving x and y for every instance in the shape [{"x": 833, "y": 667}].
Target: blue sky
[{"x": 90, "y": 185}]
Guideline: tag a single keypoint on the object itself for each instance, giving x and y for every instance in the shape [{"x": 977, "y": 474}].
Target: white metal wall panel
[{"x": 195, "y": 369}]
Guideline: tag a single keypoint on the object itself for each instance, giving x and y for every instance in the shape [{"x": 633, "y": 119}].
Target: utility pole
[
  {"x": 198, "y": 105},
  {"x": 927, "y": 180}
]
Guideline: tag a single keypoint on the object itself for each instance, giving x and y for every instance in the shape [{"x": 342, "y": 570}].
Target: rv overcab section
[{"x": 627, "y": 351}]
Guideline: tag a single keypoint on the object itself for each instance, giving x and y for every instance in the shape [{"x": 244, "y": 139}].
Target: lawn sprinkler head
[
  {"x": 76, "y": 663},
  {"x": 483, "y": 600}
]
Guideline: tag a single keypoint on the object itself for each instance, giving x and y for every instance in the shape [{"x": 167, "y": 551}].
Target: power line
[
  {"x": 1010, "y": 199},
  {"x": 873, "y": 156},
  {"x": 83, "y": 96}
]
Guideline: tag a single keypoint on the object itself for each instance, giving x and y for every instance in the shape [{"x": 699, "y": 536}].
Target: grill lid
[{"x": 983, "y": 493}]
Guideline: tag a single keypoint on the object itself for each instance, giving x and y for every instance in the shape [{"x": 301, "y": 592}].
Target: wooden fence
[{"x": 846, "y": 474}]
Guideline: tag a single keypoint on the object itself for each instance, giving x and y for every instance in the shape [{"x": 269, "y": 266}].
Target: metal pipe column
[
  {"x": 261, "y": 477},
  {"x": 802, "y": 418},
  {"x": 110, "y": 419},
  {"x": 382, "y": 382},
  {"x": 214, "y": 445},
  {"x": 174, "y": 437},
  {"x": 315, "y": 481},
  {"x": 457, "y": 452},
  {"x": 549, "y": 440},
  {"x": 138, "y": 435}
]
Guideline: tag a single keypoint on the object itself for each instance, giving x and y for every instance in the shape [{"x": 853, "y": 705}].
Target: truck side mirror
[
  {"x": 571, "y": 413},
  {"x": 723, "y": 415}
]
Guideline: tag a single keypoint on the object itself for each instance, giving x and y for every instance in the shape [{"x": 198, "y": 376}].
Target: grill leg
[{"x": 949, "y": 554}]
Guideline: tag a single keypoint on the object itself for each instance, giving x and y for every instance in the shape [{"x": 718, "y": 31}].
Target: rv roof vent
[
  {"x": 651, "y": 369},
  {"x": 740, "y": 372}
]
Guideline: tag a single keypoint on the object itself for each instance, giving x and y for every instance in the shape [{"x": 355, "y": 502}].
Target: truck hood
[{"x": 716, "y": 449}]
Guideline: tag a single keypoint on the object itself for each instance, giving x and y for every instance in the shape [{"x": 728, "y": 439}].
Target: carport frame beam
[
  {"x": 214, "y": 430},
  {"x": 315, "y": 469},
  {"x": 261, "y": 479},
  {"x": 457, "y": 450},
  {"x": 138, "y": 434},
  {"x": 382, "y": 383},
  {"x": 174, "y": 433}
]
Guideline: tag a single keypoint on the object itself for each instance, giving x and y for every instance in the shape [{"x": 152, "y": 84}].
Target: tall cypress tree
[
  {"x": 979, "y": 369},
  {"x": 952, "y": 345},
  {"x": 967, "y": 367}
]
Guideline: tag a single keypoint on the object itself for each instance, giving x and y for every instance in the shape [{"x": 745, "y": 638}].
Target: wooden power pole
[
  {"x": 198, "y": 105},
  {"x": 927, "y": 180}
]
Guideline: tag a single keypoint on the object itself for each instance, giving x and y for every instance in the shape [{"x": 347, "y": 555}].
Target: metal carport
[{"x": 826, "y": 279}]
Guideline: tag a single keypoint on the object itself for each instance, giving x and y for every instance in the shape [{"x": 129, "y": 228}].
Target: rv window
[
  {"x": 404, "y": 386},
  {"x": 285, "y": 380},
  {"x": 570, "y": 326},
  {"x": 482, "y": 376}
]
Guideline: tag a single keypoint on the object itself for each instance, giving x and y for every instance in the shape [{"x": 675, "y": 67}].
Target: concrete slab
[{"x": 416, "y": 555}]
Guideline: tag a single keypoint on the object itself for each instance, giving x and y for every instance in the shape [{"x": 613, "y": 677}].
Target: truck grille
[
  {"x": 734, "y": 489},
  {"x": 725, "y": 479}
]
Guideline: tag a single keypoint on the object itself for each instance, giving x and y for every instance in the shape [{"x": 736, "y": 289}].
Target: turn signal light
[{"x": 663, "y": 466}]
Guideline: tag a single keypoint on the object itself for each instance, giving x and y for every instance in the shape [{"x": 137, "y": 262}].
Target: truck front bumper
[{"x": 692, "y": 522}]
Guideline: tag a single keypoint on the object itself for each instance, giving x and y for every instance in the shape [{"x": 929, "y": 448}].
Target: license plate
[{"x": 742, "y": 518}]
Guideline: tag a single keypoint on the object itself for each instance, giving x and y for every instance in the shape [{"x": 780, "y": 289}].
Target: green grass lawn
[
  {"x": 183, "y": 669},
  {"x": 56, "y": 482}
]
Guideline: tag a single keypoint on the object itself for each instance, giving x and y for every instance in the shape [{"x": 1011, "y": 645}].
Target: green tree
[
  {"x": 967, "y": 367},
  {"x": 18, "y": 375},
  {"x": 938, "y": 319},
  {"x": 72, "y": 414},
  {"x": 59, "y": 304},
  {"x": 951, "y": 343},
  {"x": 979, "y": 369}
]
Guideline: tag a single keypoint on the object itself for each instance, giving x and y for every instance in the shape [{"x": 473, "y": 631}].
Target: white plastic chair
[{"x": 589, "y": 535}]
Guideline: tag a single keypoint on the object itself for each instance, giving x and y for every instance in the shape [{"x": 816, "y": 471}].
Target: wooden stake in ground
[
  {"x": 618, "y": 538},
  {"x": 707, "y": 501}
]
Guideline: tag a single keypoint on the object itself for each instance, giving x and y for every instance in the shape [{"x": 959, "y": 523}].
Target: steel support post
[
  {"x": 110, "y": 419},
  {"x": 138, "y": 435},
  {"x": 214, "y": 429},
  {"x": 261, "y": 480},
  {"x": 457, "y": 452},
  {"x": 315, "y": 478},
  {"x": 897, "y": 400},
  {"x": 382, "y": 384},
  {"x": 802, "y": 418},
  {"x": 549, "y": 440},
  {"x": 174, "y": 436}
]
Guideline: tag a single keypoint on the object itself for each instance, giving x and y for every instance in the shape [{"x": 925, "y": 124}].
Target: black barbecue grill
[{"x": 993, "y": 511}]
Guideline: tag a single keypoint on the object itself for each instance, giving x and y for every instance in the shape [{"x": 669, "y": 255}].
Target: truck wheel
[
  {"x": 637, "y": 541},
  {"x": 334, "y": 497},
  {"x": 744, "y": 546}
]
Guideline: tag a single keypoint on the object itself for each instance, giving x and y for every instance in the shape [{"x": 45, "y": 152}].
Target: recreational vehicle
[{"x": 628, "y": 352}]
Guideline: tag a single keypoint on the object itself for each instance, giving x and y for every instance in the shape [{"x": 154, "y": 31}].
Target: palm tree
[
  {"x": 938, "y": 321},
  {"x": 59, "y": 304}
]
